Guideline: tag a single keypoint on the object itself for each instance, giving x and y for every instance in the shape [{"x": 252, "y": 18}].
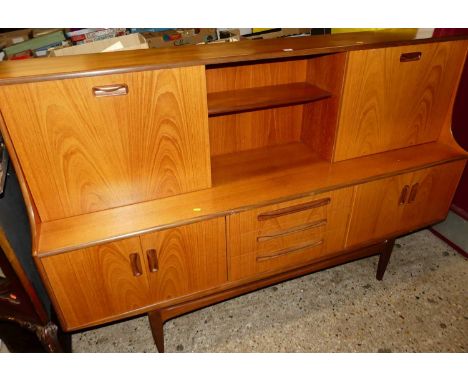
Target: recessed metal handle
[
  {"x": 136, "y": 264},
  {"x": 110, "y": 90},
  {"x": 414, "y": 191},
  {"x": 412, "y": 56},
  {"x": 403, "y": 195},
  {"x": 152, "y": 256}
]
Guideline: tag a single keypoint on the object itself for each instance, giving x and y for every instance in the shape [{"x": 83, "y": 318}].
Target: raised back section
[{"x": 83, "y": 151}]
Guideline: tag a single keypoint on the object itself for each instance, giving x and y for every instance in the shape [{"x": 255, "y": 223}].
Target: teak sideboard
[{"x": 165, "y": 180}]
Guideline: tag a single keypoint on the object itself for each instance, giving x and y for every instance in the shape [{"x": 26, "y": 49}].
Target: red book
[
  {"x": 21, "y": 55},
  {"x": 443, "y": 32}
]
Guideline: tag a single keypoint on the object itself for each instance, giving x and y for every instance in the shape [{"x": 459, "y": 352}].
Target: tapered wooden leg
[
  {"x": 156, "y": 324},
  {"x": 384, "y": 258}
]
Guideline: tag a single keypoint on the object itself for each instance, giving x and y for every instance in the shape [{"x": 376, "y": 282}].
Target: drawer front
[
  {"x": 93, "y": 143},
  {"x": 287, "y": 234},
  {"x": 399, "y": 204},
  {"x": 186, "y": 259},
  {"x": 397, "y": 97},
  {"x": 97, "y": 283}
]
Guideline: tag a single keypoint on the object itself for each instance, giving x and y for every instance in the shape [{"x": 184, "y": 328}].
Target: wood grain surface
[
  {"x": 94, "y": 283},
  {"x": 250, "y": 130},
  {"x": 190, "y": 258},
  {"x": 320, "y": 119},
  {"x": 388, "y": 104},
  {"x": 377, "y": 212},
  {"x": 250, "y": 50},
  {"x": 274, "y": 185},
  {"x": 82, "y": 154},
  {"x": 262, "y": 245},
  {"x": 263, "y": 97},
  {"x": 234, "y": 133}
]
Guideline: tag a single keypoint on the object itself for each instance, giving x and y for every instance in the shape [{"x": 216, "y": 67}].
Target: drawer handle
[
  {"x": 152, "y": 256},
  {"x": 403, "y": 195},
  {"x": 289, "y": 231},
  {"x": 293, "y": 209},
  {"x": 136, "y": 264},
  {"x": 414, "y": 191},
  {"x": 289, "y": 250},
  {"x": 110, "y": 90},
  {"x": 413, "y": 56}
]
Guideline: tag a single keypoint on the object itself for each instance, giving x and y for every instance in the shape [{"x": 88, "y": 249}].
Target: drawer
[{"x": 287, "y": 234}]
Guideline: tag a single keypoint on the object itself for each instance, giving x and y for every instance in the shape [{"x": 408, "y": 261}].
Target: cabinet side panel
[
  {"x": 320, "y": 119},
  {"x": 389, "y": 103},
  {"x": 82, "y": 153}
]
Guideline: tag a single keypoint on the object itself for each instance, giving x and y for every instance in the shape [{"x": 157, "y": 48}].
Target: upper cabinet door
[
  {"x": 94, "y": 143},
  {"x": 186, "y": 259},
  {"x": 397, "y": 97}
]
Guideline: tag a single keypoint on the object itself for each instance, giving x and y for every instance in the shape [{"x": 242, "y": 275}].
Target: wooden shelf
[
  {"x": 235, "y": 101},
  {"x": 265, "y": 162}
]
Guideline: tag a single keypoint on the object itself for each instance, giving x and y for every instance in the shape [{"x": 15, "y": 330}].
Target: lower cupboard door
[
  {"x": 186, "y": 259},
  {"x": 399, "y": 204},
  {"x": 96, "y": 284}
]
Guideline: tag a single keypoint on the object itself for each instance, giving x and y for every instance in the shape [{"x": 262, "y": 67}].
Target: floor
[
  {"x": 420, "y": 306},
  {"x": 455, "y": 229}
]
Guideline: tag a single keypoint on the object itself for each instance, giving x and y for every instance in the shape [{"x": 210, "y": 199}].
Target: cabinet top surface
[{"x": 52, "y": 68}]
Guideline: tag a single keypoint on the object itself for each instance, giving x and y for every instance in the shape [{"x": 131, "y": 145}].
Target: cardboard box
[
  {"x": 127, "y": 42},
  {"x": 177, "y": 37}
]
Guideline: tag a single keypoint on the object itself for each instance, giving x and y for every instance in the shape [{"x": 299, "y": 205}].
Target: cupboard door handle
[
  {"x": 413, "y": 56},
  {"x": 414, "y": 191},
  {"x": 293, "y": 209},
  {"x": 110, "y": 90},
  {"x": 136, "y": 264},
  {"x": 403, "y": 195},
  {"x": 292, "y": 230},
  {"x": 152, "y": 256}
]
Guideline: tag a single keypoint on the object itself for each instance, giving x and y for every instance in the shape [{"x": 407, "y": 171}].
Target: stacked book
[
  {"x": 83, "y": 36},
  {"x": 36, "y": 46}
]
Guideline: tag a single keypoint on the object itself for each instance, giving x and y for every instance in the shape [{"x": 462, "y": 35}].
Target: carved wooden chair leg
[
  {"x": 156, "y": 324},
  {"x": 53, "y": 339},
  {"x": 384, "y": 258}
]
